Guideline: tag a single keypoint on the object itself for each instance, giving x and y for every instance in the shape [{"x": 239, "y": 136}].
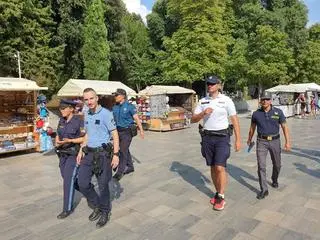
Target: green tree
[
  {"x": 69, "y": 16},
  {"x": 95, "y": 50},
  {"x": 199, "y": 46},
  {"x": 27, "y": 26},
  {"x": 269, "y": 57}
]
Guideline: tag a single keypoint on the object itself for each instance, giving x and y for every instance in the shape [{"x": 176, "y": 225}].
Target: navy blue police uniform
[
  {"x": 123, "y": 114},
  {"x": 67, "y": 155},
  {"x": 97, "y": 159},
  {"x": 268, "y": 140}
]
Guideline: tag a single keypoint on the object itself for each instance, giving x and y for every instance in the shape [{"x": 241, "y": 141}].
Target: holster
[
  {"x": 96, "y": 164},
  {"x": 69, "y": 150},
  {"x": 134, "y": 130},
  {"x": 230, "y": 129},
  {"x": 201, "y": 130}
]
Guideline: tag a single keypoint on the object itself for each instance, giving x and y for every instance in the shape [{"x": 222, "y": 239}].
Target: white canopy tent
[
  {"x": 298, "y": 88},
  {"x": 75, "y": 87},
  {"x": 19, "y": 84},
  {"x": 161, "y": 89}
]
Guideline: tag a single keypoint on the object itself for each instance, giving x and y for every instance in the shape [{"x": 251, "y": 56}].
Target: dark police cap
[
  {"x": 212, "y": 79},
  {"x": 67, "y": 103},
  {"x": 120, "y": 91},
  {"x": 265, "y": 96}
]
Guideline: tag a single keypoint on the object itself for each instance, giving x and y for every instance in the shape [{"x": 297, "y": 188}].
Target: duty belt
[
  {"x": 268, "y": 137},
  {"x": 96, "y": 149},
  {"x": 219, "y": 133}
]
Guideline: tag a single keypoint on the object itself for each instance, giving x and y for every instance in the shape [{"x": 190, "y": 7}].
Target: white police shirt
[{"x": 223, "y": 107}]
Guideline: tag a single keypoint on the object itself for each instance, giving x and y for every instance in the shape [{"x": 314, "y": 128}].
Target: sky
[{"x": 143, "y": 7}]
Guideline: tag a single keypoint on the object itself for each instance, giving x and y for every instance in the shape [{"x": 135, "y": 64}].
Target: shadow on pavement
[
  {"x": 193, "y": 177},
  {"x": 238, "y": 174},
  {"x": 311, "y": 172},
  {"x": 305, "y": 153}
]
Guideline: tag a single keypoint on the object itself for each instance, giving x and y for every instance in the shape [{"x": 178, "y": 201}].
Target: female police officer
[
  {"x": 215, "y": 111},
  {"x": 70, "y": 135}
]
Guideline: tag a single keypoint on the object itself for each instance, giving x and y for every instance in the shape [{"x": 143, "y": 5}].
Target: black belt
[
  {"x": 96, "y": 149},
  {"x": 218, "y": 133},
  {"x": 268, "y": 137}
]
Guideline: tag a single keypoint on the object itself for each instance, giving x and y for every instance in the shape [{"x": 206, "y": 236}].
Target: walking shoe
[
  {"x": 64, "y": 214},
  {"x": 105, "y": 217},
  {"x": 213, "y": 200},
  {"x": 262, "y": 194},
  {"x": 275, "y": 185},
  {"x": 219, "y": 203},
  {"x": 128, "y": 171},
  {"x": 95, "y": 214}
]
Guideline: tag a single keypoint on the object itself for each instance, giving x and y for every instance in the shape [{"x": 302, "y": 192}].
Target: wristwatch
[{"x": 116, "y": 154}]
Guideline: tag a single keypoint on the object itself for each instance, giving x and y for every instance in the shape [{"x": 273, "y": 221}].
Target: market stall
[
  {"x": 166, "y": 108},
  {"x": 285, "y": 96},
  {"x": 73, "y": 89},
  {"x": 18, "y": 114}
]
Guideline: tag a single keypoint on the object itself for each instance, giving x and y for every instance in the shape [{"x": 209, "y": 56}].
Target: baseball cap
[
  {"x": 212, "y": 79},
  {"x": 120, "y": 91},
  {"x": 265, "y": 96}
]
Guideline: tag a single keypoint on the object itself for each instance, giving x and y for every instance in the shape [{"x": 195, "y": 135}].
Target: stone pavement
[{"x": 168, "y": 195}]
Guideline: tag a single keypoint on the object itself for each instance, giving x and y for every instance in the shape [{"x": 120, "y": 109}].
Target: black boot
[
  {"x": 105, "y": 217},
  {"x": 275, "y": 185},
  {"x": 64, "y": 214},
  {"x": 95, "y": 214},
  {"x": 262, "y": 194}
]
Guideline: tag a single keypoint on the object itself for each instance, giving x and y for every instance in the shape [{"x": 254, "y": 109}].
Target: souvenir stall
[
  {"x": 285, "y": 96},
  {"x": 19, "y": 128},
  {"x": 165, "y": 108},
  {"x": 73, "y": 89}
]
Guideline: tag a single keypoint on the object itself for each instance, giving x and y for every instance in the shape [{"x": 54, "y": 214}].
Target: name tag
[
  {"x": 205, "y": 102},
  {"x": 275, "y": 117}
]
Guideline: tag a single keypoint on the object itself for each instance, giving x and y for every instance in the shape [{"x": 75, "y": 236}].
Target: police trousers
[
  {"x": 69, "y": 171},
  {"x": 125, "y": 138},
  {"x": 274, "y": 148},
  {"x": 101, "y": 201}
]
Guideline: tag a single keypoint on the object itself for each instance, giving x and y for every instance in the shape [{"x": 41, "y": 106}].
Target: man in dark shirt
[
  {"x": 268, "y": 119},
  {"x": 125, "y": 115}
]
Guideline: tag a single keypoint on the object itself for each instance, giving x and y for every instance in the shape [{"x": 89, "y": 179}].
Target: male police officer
[
  {"x": 99, "y": 125},
  {"x": 215, "y": 110},
  {"x": 125, "y": 115},
  {"x": 70, "y": 134},
  {"x": 268, "y": 119}
]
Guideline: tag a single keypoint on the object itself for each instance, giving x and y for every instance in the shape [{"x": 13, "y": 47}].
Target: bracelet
[{"x": 116, "y": 154}]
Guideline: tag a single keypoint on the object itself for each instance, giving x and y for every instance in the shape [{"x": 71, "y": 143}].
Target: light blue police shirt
[
  {"x": 123, "y": 114},
  {"x": 99, "y": 126}
]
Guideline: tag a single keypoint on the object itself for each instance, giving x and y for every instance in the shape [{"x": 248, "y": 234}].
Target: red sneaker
[
  {"x": 213, "y": 200},
  {"x": 219, "y": 204}
]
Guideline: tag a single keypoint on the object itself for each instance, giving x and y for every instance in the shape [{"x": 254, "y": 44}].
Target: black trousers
[
  {"x": 125, "y": 138},
  {"x": 101, "y": 201}
]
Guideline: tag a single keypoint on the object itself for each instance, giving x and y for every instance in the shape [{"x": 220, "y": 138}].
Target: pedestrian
[
  {"x": 267, "y": 119},
  {"x": 98, "y": 157},
  {"x": 126, "y": 118},
  {"x": 216, "y": 110},
  {"x": 303, "y": 104},
  {"x": 70, "y": 132}
]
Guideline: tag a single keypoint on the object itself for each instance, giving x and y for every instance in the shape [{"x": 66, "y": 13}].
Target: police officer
[
  {"x": 215, "y": 110},
  {"x": 70, "y": 134},
  {"x": 125, "y": 115},
  {"x": 267, "y": 119},
  {"x": 98, "y": 157}
]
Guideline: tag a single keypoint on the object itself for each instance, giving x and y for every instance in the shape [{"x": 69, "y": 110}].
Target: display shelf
[{"x": 18, "y": 150}]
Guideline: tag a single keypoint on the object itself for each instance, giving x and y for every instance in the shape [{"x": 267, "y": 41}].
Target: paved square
[{"x": 167, "y": 197}]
